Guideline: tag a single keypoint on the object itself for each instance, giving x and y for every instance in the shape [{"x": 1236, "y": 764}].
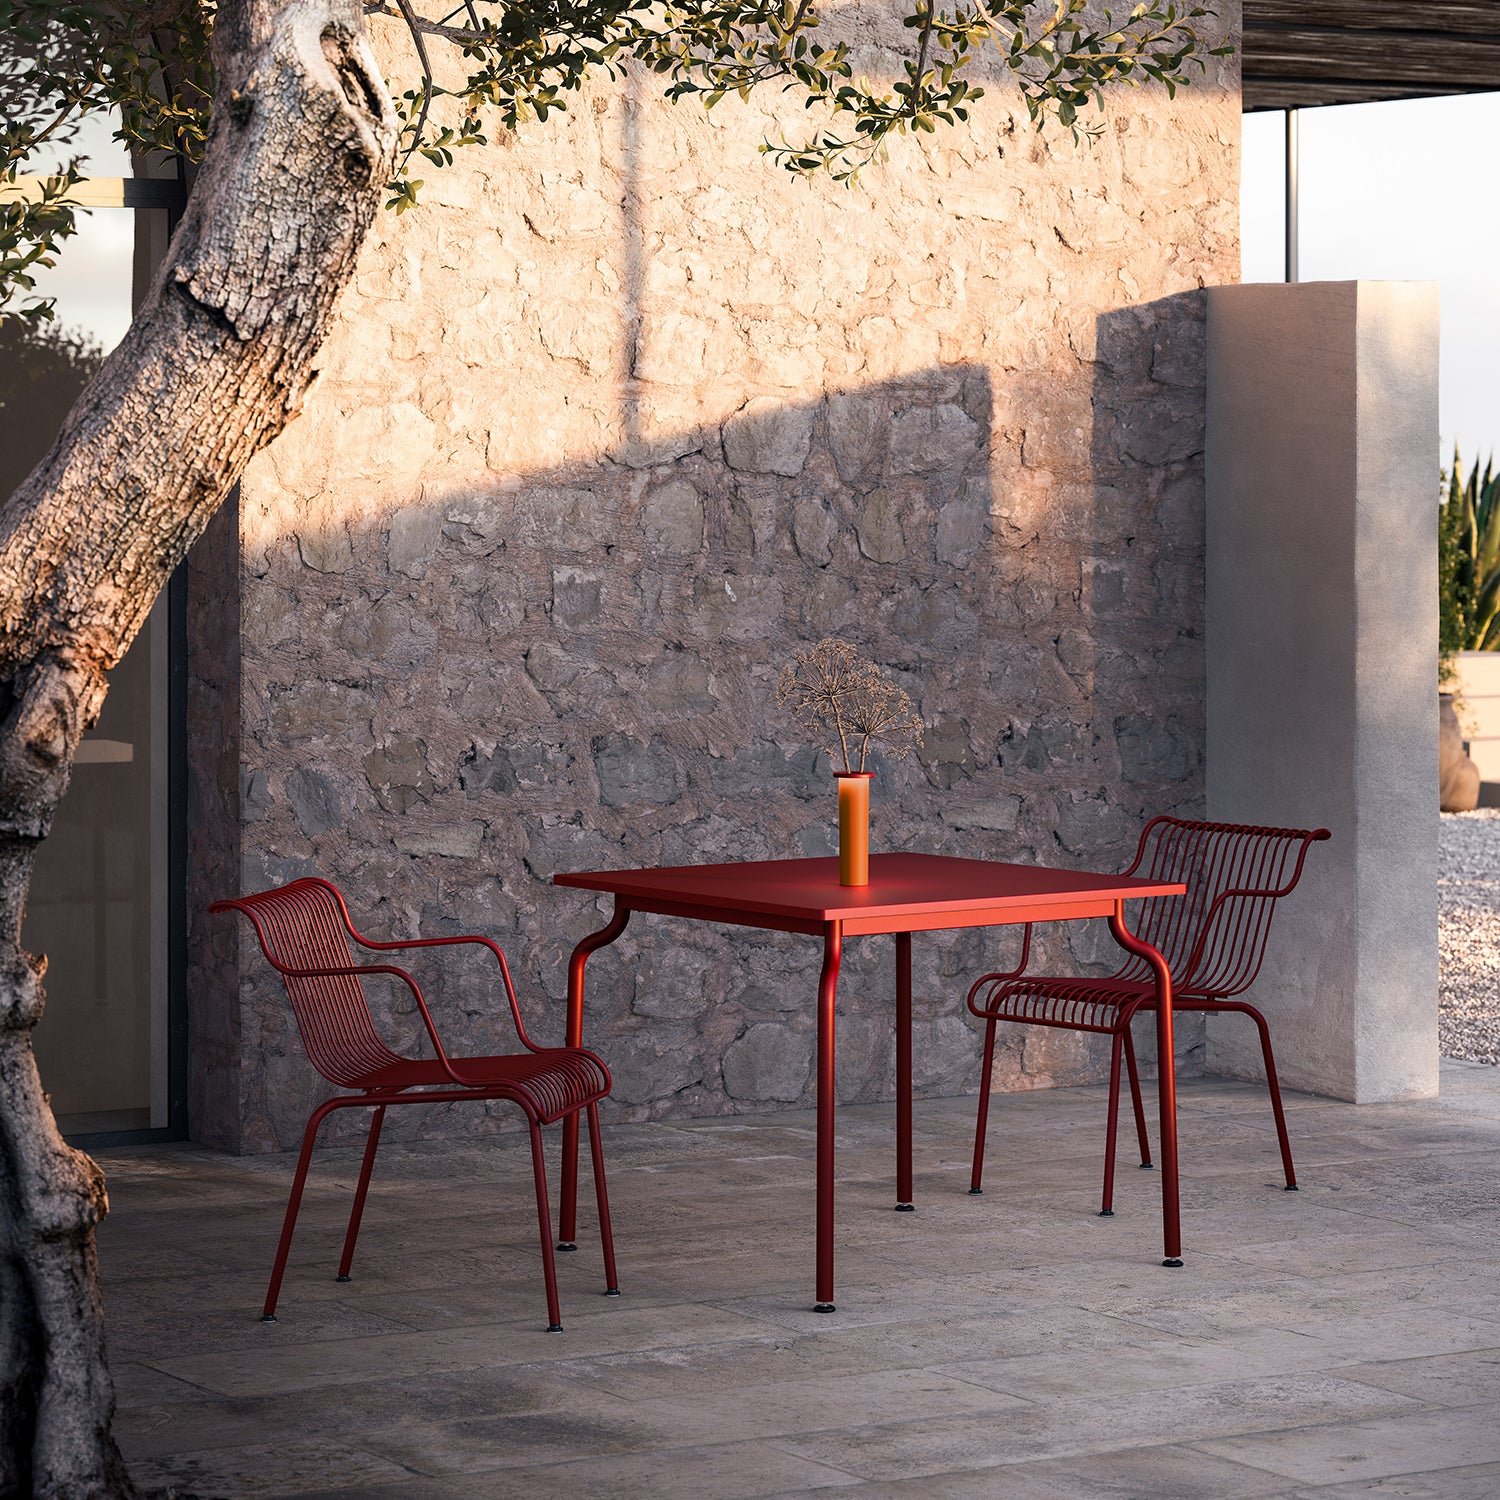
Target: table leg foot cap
[
  {"x": 824, "y": 1307},
  {"x": 975, "y": 1192},
  {"x": 567, "y": 1245},
  {"x": 906, "y": 1208},
  {"x": 1292, "y": 1187},
  {"x": 268, "y": 1317},
  {"x": 1147, "y": 1165},
  {"x": 1172, "y": 1261},
  {"x": 612, "y": 1291},
  {"x": 554, "y": 1328},
  {"x": 341, "y": 1278},
  {"x": 1106, "y": 1213}
]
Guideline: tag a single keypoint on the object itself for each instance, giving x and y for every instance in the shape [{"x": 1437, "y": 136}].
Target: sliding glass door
[
  {"x": 99, "y": 911},
  {"x": 105, "y": 889}
]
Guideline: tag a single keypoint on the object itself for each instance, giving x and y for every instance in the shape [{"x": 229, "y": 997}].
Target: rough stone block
[
  {"x": 314, "y": 802},
  {"x": 631, "y": 772},
  {"x": 493, "y": 772},
  {"x": 855, "y": 434},
  {"x": 1154, "y": 751},
  {"x": 670, "y": 984},
  {"x": 1093, "y": 825},
  {"x": 813, "y": 530},
  {"x": 412, "y": 537},
  {"x": 680, "y": 682},
  {"x": 672, "y": 519},
  {"x": 962, "y": 525},
  {"x": 1104, "y": 585},
  {"x": 767, "y": 436},
  {"x": 255, "y": 795},
  {"x": 567, "y": 518},
  {"x": 877, "y": 524},
  {"x": 768, "y": 1062},
  {"x": 926, "y": 439},
  {"x": 450, "y": 840},
  {"x": 756, "y": 769},
  {"x": 992, "y": 815},
  {"x": 321, "y": 713},
  {"x": 397, "y": 772},
  {"x": 737, "y": 606},
  {"x": 577, "y": 597}
]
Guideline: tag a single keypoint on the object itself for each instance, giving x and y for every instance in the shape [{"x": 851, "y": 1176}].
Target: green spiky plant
[{"x": 1468, "y": 564}]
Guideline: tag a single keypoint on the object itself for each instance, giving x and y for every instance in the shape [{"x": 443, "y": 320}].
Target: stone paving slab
[
  {"x": 1101, "y": 1422},
  {"x": 1339, "y": 1341},
  {"x": 1475, "y": 1482},
  {"x": 1370, "y": 1449}
]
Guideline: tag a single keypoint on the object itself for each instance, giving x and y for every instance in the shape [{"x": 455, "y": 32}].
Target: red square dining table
[{"x": 907, "y": 893}]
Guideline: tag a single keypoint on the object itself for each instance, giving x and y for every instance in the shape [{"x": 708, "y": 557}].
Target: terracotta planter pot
[
  {"x": 854, "y": 827},
  {"x": 1458, "y": 776}
]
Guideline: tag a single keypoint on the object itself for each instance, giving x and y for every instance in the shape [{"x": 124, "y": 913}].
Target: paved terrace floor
[{"x": 1340, "y": 1341}]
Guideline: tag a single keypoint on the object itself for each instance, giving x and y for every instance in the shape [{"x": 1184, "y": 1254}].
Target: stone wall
[{"x": 619, "y": 416}]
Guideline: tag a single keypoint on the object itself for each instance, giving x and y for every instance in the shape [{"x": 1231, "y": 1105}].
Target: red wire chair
[
  {"x": 1213, "y": 939},
  {"x": 304, "y": 930}
]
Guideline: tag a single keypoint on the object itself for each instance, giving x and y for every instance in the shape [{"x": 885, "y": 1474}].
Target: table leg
[
  {"x": 1166, "y": 1070},
  {"x": 833, "y": 949},
  {"x": 904, "y": 1202},
  {"x": 567, "y": 1216}
]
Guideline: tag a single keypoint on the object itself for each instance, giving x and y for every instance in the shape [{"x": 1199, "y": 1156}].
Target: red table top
[{"x": 902, "y": 887}]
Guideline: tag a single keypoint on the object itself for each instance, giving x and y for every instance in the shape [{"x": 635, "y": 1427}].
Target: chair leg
[
  {"x": 1107, "y": 1210},
  {"x": 289, "y": 1223},
  {"x": 544, "y": 1216},
  {"x": 357, "y": 1213},
  {"x": 601, "y": 1194},
  {"x": 1275, "y": 1087},
  {"x": 1135, "y": 1099},
  {"x": 983, "y": 1120}
]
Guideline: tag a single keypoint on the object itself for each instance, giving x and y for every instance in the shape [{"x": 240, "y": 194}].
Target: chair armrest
[
  {"x": 448, "y": 942},
  {"x": 355, "y": 971},
  {"x": 1002, "y": 978}
]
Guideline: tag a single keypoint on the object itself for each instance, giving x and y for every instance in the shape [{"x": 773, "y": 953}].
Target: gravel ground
[{"x": 1469, "y": 935}]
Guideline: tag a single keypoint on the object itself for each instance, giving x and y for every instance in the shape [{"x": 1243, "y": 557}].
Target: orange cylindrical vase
[{"x": 854, "y": 827}]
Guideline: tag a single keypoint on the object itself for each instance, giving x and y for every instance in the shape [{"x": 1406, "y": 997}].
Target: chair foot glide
[
  {"x": 1173, "y": 1261},
  {"x": 612, "y": 1291},
  {"x": 567, "y": 1245},
  {"x": 341, "y": 1278},
  {"x": 1106, "y": 1213},
  {"x": 976, "y": 1192},
  {"x": 906, "y": 1208},
  {"x": 1146, "y": 1166},
  {"x": 1291, "y": 1187},
  {"x": 268, "y": 1317},
  {"x": 554, "y": 1328},
  {"x": 824, "y": 1307}
]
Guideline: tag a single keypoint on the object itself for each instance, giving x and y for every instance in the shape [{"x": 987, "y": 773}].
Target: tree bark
[{"x": 214, "y": 366}]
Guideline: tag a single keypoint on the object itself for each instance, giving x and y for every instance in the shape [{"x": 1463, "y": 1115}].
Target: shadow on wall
[
  {"x": 449, "y": 702},
  {"x": 1142, "y": 585}
]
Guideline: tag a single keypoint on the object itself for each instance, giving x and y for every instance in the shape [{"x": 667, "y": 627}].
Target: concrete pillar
[{"x": 1321, "y": 539}]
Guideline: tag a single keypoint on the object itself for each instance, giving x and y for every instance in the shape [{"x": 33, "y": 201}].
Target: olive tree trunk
[{"x": 213, "y": 367}]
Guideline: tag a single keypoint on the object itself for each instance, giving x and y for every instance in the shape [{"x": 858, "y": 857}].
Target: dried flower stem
[{"x": 830, "y": 687}]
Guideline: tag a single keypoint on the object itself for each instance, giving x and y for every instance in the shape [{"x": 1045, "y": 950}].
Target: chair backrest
[
  {"x": 305, "y": 925},
  {"x": 1214, "y": 936}
]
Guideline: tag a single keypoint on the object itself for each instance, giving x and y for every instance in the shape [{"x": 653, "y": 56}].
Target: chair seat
[
  {"x": 1080, "y": 1004},
  {"x": 558, "y": 1080}
]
